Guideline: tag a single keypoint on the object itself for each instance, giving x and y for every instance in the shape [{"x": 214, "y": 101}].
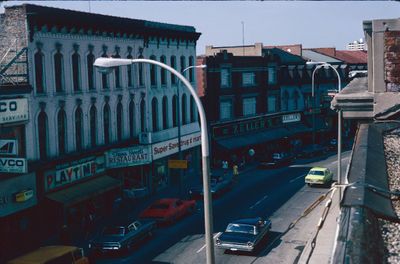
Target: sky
[{"x": 222, "y": 23}]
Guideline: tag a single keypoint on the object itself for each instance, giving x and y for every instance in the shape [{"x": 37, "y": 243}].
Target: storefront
[
  {"x": 17, "y": 217},
  {"x": 76, "y": 191},
  {"x": 132, "y": 166},
  {"x": 166, "y": 150}
]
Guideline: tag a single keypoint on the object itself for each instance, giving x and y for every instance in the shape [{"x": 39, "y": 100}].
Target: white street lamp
[
  {"x": 202, "y": 66},
  {"x": 320, "y": 65},
  {"x": 106, "y": 65}
]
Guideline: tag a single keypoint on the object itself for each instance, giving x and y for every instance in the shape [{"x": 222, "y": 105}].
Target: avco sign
[
  {"x": 13, "y": 165},
  {"x": 13, "y": 110}
]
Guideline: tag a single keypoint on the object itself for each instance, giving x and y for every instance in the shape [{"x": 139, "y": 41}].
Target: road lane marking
[
  {"x": 258, "y": 202},
  {"x": 295, "y": 179},
  {"x": 198, "y": 251}
]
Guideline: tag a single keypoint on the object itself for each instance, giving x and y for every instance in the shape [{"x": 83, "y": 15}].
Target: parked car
[
  {"x": 52, "y": 254},
  {"x": 166, "y": 211},
  {"x": 318, "y": 175},
  {"x": 278, "y": 159},
  {"x": 244, "y": 234},
  {"x": 122, "y": 237},
  {"x": 218, "y": 185},
  {"x": 333, "y": 144}
]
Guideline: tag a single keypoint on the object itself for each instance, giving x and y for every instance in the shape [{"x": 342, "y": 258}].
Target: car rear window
[
  {"x": 317, "y": 172},
  {"x": 241, "y": 228}
]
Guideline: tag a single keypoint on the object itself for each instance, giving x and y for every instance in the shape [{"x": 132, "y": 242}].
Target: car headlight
[
  {"x": 250, "y": 244},
  {"x": 218, "y": 242},
  {"x": 118, "y": 245},
  {"x": 190, "y": 191},
  {"x": 89, "y": 245}
]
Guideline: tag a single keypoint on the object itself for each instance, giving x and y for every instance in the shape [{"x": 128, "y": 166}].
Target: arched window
[
  {"x": 117, "y": 73},
  {"x": 104, "y": 76},
  {"x": 90, "y": 71},
  {"x": 76, "y": 67},
  {"x": 165, "y": 112},
  {"x": 142, "y": 116},
  {"x": 132, "y": 118},
  {"x": 141, "y": 80},
  {"x": 62, "y": 131},
  {"x": 107, "y": 124},
  {"x": 154, "y": 114},
  {"x": 191, "y": 70},
  {"x": 58, "y": 71},
  {"x": 183, "y": 65},
  {"x": 119, "y": 121},
  {"x": 285, "y": 101},
  {"x": 192, "y": 110},
  {"x": 78, "y": 129},
  {"x": 39, "y": 72},
  {"x": 42, "y": 131},
  {"x": 129, "y": 71},
  {"x": 153, "y": 72},
  {"x": 93, "y": 126},
  {"x": 173, "y": 65},
  {"x": 174, "y": 111},
  {"x": 184, "y": 110},
  {"x": 163, "y": 71}
]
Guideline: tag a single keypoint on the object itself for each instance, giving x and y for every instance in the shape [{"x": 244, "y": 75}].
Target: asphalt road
[{"x": 279, "y": 194}]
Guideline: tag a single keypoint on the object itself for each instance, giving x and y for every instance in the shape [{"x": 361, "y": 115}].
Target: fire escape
[{"x": 14, "y": 65}]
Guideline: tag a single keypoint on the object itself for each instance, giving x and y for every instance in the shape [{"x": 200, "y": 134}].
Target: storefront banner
[
  {"x": 17, "y": 194},
  {"x": 13, "y": 110},
  {"x": 169, "y": 147},
  {"x": 8, "y": 147},
  {"x": 291, "y": 118},
  {"x": 68, "y": 173},
  {"x": 127, "y": 157},
  {"x": 13, "y": 165}
]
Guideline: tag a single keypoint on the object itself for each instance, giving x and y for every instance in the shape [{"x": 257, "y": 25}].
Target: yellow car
[{"x": 318, "y": 175}]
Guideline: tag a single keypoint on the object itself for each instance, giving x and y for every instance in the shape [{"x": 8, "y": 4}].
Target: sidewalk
[{"x": 325, "y": 240}]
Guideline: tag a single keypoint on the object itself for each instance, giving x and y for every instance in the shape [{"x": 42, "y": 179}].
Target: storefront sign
[
  {"x": 127, "y": 157},
  {"x": 8, "y": 147},
  {"x": 23, "y": 196},
  {"x": 291, "y": 118},
  {"x": 177, "y": 164},
  {"x": 17, "y": 194},
  {"x": 170, "y": 147},
  {"x": 68, "y": 173},
  {"x": 13, "y": 110},
  {"x": 13, "y": 165}
]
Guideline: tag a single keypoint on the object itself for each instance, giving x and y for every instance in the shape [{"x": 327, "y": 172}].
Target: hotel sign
[
  {"x": 169, "y": 147},
  {"x": 13, "y": 110},
  {"x": 127, "y": 157},
  {"x": 74, "y": 171}
]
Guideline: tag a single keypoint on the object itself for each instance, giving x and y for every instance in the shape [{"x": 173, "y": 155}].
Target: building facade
[{"x": 88, "y": 135}]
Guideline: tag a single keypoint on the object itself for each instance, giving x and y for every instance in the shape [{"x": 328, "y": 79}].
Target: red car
[{"x": 168, "y": 210}]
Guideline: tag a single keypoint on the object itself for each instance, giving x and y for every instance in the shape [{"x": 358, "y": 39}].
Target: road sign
[{"x": 177, "y": 164}]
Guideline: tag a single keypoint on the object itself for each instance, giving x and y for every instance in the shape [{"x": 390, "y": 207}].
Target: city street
[{"x": 279, "y": 194}]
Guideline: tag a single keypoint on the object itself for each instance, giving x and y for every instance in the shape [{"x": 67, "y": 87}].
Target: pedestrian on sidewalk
[
  {"x": 225, "y": 167},
  {"x": 235, "y": 170}
]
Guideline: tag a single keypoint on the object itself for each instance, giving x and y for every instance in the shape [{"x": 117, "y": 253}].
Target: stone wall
[{"x": 392, "y": 61}]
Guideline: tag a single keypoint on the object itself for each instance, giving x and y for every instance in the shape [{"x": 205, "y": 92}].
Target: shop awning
[
  {"x": 85, "y": 190},
  {"x": 253, "y": 139},
  {"x": 298, "y": 128}
]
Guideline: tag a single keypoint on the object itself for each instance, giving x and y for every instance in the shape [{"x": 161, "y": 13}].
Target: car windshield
[
  {"x": 162, "y": 206},
  {"x": 241, "y": 228},
  {"x": 114, "y": 230},
  {"x": 316, "y": 172}
]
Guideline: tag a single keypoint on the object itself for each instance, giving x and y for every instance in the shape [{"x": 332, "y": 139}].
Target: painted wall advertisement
[
  {"x": 166, "y": 148},
  {"x": 13, "y": 110},
  {"x": 68, "y": 173},
  {"x": 13, "y": 165},
  {"x": 127, "y": 157},
  {"x": 17, "y": 193}
]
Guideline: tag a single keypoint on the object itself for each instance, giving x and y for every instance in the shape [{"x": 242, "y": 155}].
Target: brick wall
[
  {"x": 392, "y": 61},
  {"x": 13, "y": 25}
]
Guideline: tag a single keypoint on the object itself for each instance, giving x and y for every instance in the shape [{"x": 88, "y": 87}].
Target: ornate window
[
  {"x": 129, "y": 71},
  {"x": 107, "y": 124},
  {"x": 119, "y": 121},
  {"x": 154, "y": 114},
  {"x": 163, "y": 71},
  {"x": 93, "y": 126},
  {"x": 191, "y": 70},
  {"x": 90, "y": 70},
  {"x": 174, "y": 111},
  {"x": 153, "y": 72},
  {"x": 184, "y": 110},
  {"x": 43, "y": 135},
  {"x": 62, "y": 131},
  {"x": 173, "y": 65},
  {"x": 192, "y": 110},
  {"x": 78, "y": 129},
  {"x": 183, "y": 65},
  {"x": 165, "y": 112},
  {"x": 39, "y": 71},
  {"x": 76, "y": 67},
  {"x": 142, "y": 116},
  {"x": 132, "y": 118},
  {"x": 58, "y": 71}
]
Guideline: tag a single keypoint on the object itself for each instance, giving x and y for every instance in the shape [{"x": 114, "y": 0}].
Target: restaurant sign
[
  {"x": 127, "y": 157},
  {"x": 68, "y": 173}
]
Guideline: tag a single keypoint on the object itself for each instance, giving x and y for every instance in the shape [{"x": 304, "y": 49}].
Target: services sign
[
  {"x": 13, "y": 165},
  {"x": 169, "y": 147},
  {"x": 127, "y": 157},
  {"x": 13, "y": 110}
]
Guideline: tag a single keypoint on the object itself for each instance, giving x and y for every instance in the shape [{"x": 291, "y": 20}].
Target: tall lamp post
[
  {"x": 339, "y": 149},
  {"x": 178, "y": 115},
  {"x": 314, "y": 101},
  {"x": 106, "y": 65}
]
